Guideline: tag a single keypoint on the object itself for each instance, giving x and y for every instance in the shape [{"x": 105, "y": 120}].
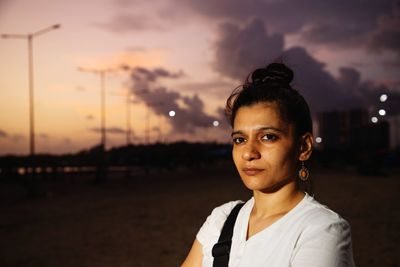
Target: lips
[{"x": 252, "y": 171}]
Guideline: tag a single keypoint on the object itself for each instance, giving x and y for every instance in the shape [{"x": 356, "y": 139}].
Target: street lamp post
[
  {"x": 142, "y": 92},
  {"x": 128, "y": 109},
  {"x": 102, "y": 73},
  {"x": 147, "y": 121},
  {"x": 128, "y": 118},
  {"x": 29, "y": 37},
  {"x": 147, "y": 112},
  {"x": 101, "y": 170}
]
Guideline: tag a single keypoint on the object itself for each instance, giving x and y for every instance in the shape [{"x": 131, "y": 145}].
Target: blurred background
[{"x": 113, "y": 142}]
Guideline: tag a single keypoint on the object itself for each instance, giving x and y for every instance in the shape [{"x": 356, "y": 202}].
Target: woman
[{"x": 281, "y": 225}]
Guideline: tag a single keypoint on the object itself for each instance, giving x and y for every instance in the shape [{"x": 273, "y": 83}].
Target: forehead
[{"x": 260, "y": 115}]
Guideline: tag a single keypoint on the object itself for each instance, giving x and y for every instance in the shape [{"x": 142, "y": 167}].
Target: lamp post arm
[
  {"x": 14, "y": 36},
  {"x": 40, "y": 32}
]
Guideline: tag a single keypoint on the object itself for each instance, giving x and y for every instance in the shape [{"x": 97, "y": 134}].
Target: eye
[
  {"x": 269, "y": 137},
  {"x": 238, "y": 140}
]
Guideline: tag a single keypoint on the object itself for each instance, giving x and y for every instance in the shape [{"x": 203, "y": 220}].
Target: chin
[
  {"x": 254, "y": 182},
  {"x": 262, "y": 184}
]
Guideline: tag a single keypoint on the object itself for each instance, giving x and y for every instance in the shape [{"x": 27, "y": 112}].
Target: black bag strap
[{"x": 222, "y": 249}]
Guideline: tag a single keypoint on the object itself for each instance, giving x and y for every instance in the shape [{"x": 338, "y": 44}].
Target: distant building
[
  {"x": 394, "y": 131},
  {"x": 371, "y": 137},
  {"x": 352, "y": 129},
  {"x": 336, "y": 127}
]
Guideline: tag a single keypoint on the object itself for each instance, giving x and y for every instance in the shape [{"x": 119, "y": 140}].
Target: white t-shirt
[{"x": 309, "y": 235}]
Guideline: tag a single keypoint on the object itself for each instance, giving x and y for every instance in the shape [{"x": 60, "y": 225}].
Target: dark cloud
[
  {"x": 219, "y": 88},
  {"x": 360, "y": 64},
  {"x": 127, "y": 23},
  {"x": 387, "y": 34},
  {"x": 189, "y": 110},
  {"x": 238, "y": 49},
  {"x": 349, "y": 78},
  {"x": 369, "y": 92},
  {"x": 288, "y": 16},
  {"x": 323, "y": 91},
  {"x": 317, "y": 85},
  {"x": 252, "y": 34},
  {"x": 352, "y": 23},
  {"x": 140, "y": 74},
  {"x": 326, "y": 92},
  {"x": 343, "y": 23},
  {"x": 347, "y": 24},
  {"x": 3, "y": 134},
  {"x": 111, "y": 130},
  {"x": 337, "y": 34}
]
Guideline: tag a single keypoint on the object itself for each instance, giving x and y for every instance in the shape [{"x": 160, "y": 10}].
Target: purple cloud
[
  {"x": 236, "y": 56},
  {"x": 127, "y": 23},
  {"x": 369, "y": 25},
  {"x": 189, "y": 110},
  {"x": 387, "y": 34},
  {"x": 289, "y": 16},
  {"x": 240, "y": 49},
  {"x": 218, "y": 88}
]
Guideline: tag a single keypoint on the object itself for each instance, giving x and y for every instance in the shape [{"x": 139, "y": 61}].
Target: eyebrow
[{"x": 260, "y": 130}]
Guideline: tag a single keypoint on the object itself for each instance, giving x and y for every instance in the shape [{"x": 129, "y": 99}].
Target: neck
[{"x": 280, "y": 201}]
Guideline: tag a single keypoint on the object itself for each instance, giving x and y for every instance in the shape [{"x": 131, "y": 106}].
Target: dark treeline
[
  {"x": 183, "y": 154},
  {"x": 155, "y": 156}
]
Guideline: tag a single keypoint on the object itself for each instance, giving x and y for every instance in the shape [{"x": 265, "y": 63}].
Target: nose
[{"x": 250, "y": 152}]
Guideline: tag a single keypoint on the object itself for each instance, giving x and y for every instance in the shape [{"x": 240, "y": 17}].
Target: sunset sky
[{"x": 187, "y": 55}]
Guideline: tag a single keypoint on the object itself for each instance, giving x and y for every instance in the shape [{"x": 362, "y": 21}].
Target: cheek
[
  {"x": 287, "y": 159},
  {"x": 279, "y": 158}
]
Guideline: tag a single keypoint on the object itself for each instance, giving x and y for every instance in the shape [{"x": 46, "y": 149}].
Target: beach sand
[{"x": 152, "y": 220}]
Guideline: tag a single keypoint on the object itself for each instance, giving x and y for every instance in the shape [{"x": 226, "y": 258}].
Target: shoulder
[
  {"x": 317, "y": 215},
  {"x": 211, "y": 228},
  {"x": 324, "y": 233}
]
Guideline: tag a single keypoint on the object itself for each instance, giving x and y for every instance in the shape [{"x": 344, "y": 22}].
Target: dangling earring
[{"x": 303, "y": 172}]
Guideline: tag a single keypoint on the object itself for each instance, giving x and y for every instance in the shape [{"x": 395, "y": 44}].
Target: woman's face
[{"x": 265, "y": 149}]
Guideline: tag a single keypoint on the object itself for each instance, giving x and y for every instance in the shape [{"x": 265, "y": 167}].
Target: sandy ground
[{"x": 152, "y": 220}]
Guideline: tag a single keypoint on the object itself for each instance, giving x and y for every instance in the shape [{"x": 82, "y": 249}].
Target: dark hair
[{"x": 272, "y": 84}]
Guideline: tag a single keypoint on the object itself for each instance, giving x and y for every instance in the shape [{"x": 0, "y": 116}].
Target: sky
[{"x": 186, "y": 56}]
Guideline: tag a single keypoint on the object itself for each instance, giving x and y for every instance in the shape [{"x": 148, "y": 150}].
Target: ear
[{"x": 306, "y": 146}]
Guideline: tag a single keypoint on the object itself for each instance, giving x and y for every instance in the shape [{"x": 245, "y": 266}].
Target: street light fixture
[
  {"x": 383, "y": 97},
  {"x": 172, "y": 113},
  {"x": 29, "y": 37}
]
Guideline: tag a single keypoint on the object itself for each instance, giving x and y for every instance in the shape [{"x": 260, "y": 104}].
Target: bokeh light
[
  {"x": 383, "y": 97},
  {"x": 171, "y": 113},
  {"x": 374, "y": 119},
  {"x": 215, "y": 123},
  {"x": 382, "y": 112}
]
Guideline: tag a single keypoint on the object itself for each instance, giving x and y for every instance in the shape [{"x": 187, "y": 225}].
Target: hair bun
[{"x": 274, "y": 72}]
